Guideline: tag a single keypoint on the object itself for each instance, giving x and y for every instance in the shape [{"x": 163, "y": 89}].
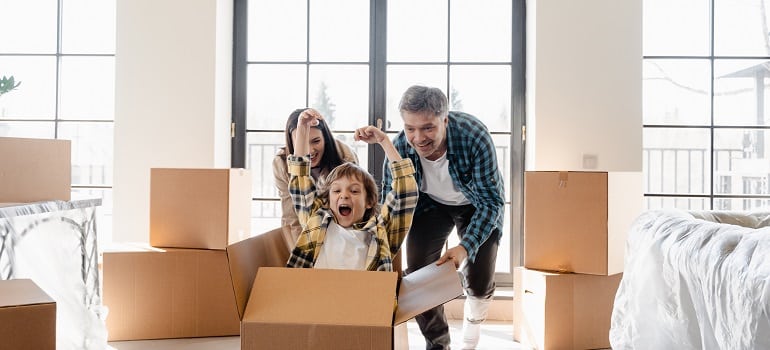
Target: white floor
[{"x": 494, "y": 335}]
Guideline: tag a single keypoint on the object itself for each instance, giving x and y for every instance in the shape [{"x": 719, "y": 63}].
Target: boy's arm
[
  {"x": 398, "y": 207},
  {"x": 301, "y": 187}
]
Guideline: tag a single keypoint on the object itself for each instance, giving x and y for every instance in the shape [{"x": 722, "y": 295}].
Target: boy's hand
[{"x": 370, "y": 134}]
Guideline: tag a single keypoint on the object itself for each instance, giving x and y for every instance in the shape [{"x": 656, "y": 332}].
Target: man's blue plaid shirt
[{"x": 473, "y": 168}]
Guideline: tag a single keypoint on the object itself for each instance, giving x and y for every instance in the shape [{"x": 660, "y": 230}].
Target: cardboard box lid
[
  {"x": 426, "y": 288},
  {"x": 322, "y": 296},
  {"x": 22, "y": 292},
  {"x": 246, "y": 257}
]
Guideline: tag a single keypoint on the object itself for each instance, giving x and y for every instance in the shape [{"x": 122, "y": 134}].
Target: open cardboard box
[{"x": 286, "y": 308}]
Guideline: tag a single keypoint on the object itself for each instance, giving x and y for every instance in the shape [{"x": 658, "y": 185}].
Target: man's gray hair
[{"x": 422, "y": 99}]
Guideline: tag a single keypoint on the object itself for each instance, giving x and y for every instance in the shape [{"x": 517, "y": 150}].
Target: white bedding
[{"x": 695, "y": 280}]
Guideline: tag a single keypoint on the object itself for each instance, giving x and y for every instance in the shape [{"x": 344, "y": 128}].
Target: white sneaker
[
  {"x": 471, "y": 334},
  {"x": 474, "y": 313}
]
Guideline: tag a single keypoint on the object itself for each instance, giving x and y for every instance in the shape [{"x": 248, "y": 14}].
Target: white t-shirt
[
  {"x": 343, "y": 249},
  {"x": 437, "y": 182}
]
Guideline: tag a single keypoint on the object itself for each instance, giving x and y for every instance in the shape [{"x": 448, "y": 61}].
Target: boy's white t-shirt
[
  {"x": 437, "y": 183},
  {"x": 343, "y": 249}
]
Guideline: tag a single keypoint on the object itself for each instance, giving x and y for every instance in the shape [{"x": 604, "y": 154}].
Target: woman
[{"x": 325, "y": 154}]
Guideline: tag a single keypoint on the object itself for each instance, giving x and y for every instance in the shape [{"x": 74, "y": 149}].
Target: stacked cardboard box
[
  {"x": 179, "y": 286},
  {"x": 27, "y": 316},
  {"x": 575, "y": 226},
  {"x": 34, "y": 170}
]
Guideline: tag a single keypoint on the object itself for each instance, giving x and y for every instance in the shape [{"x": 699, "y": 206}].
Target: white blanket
[{"x": 695, "y": 281}]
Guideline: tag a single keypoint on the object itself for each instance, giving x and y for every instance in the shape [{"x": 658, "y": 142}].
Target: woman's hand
[{"x": 309, "y": 118}]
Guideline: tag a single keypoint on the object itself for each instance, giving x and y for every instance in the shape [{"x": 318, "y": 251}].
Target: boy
[{"x": 342, "y": 225}]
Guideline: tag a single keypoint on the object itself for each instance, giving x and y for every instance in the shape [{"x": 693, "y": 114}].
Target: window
[
  {"x": 706, "y": 69},
  {"x": 353, "y": 59},
  {"x": 63, "y": 53}
]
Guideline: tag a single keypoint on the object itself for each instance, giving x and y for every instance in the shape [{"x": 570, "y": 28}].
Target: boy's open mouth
[{"x": 344, "y": 209}]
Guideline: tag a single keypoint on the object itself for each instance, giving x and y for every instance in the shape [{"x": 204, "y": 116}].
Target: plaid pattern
[
  {"x": 473, "y": 169},
  {"x": 388, "y": 229}
]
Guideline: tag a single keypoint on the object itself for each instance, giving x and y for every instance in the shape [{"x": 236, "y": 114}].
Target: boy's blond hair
[{"x": 353, "y": 171}]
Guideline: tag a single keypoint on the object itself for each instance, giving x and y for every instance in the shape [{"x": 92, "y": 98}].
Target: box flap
[
  {"x": 245, "y": 257},
  {"x": 22, "y": 292},
  {"x": 322, "y": 297},
  {"x": 426, "y": 288}
]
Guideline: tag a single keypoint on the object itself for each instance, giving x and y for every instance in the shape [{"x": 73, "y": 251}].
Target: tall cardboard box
[
  {"x": 562, "y": 310},
  {"x": 578, "y": 221},
  {"x": 199, "y": 208},
  {"x": 286, "y": 308},
  {"x": 27, "y": 316},
  {"x": 34, "y": 170},
  {"x": 156, "y": 293}
]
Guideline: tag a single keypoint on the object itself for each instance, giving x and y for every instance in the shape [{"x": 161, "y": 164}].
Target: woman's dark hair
[{"x": 331, "y": 157}]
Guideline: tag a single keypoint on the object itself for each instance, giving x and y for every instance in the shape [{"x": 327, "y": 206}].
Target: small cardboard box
[
  {"x": 199, "y": 208},
  {"x": 34, "y": 170},
  {"x": 562, "y": 310},
  {"x": 156, "y": 293},
  {"x": 578, "y": 221},
  {"x": 286, "y": 308},
  {"x": 27, "y": 316}
]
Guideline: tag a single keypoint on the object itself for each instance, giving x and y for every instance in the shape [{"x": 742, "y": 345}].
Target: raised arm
[{"x": 372, "y": 134}]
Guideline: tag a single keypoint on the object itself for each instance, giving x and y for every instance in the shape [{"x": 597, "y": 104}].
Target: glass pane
[
  {"x": 682, "y": 203},
  {"x": 277, "y": 30},
  {"x": 103, "y": 212},
  {"x": 35, "y": 98},
  {"x": 28, "y": 26},
  {"x": 741, "y": 161},
  {"x": 34, "y": 130},
  {"x": 91, "y": 151},
  {"x": 339, "y": 31},
  {"x": 88, "y": 26},
  {"x": 265, "y": 216},
  {"x": 261, "y": 148},
  {"x": 414, "y": 36},
  {"x": 742, "y": 204},
  {"x": 675, "y": 28},
  {"x": 401, "y": 77},
  {"x": 740, "y": 92},
  {"x": 480, "y": 30},
  {"x": 87, "y": 88},
  {"x": 341, "y": 94},
  {"x": 676, "y": 161},
  {"x": 273, "y": 92},
  {"x": 359, "y": 147},
  {"x": 740, "y": 28},
  {"x": 676, "y": 92},
  {"x": 483, "y": 91}
]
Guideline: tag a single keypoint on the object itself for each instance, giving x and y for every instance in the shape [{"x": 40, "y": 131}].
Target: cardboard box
[
  {"x": 34, "y": 170},
  {"x": 199, "y": 208},
  {"x": 167, "y": 293},
  {"x": 562, "y": 310},
  {"x": 579, "y": 221},
  {"x": 27, "y": 316},
  {"x": 286, "y": 308}
]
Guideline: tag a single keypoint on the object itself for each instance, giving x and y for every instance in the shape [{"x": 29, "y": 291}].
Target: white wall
[
  {"x": 173, "y": 97},
  {"x": 584, "y": 84}
]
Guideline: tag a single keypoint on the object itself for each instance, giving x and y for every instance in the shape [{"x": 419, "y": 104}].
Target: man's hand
[{"x": 456, "y": 254}]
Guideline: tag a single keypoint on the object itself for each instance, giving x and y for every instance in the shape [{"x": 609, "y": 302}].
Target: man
[{"x": 460, "y": 187}]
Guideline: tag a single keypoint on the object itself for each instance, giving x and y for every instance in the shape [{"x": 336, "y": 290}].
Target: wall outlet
[{"x": 590, "y": 161}]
